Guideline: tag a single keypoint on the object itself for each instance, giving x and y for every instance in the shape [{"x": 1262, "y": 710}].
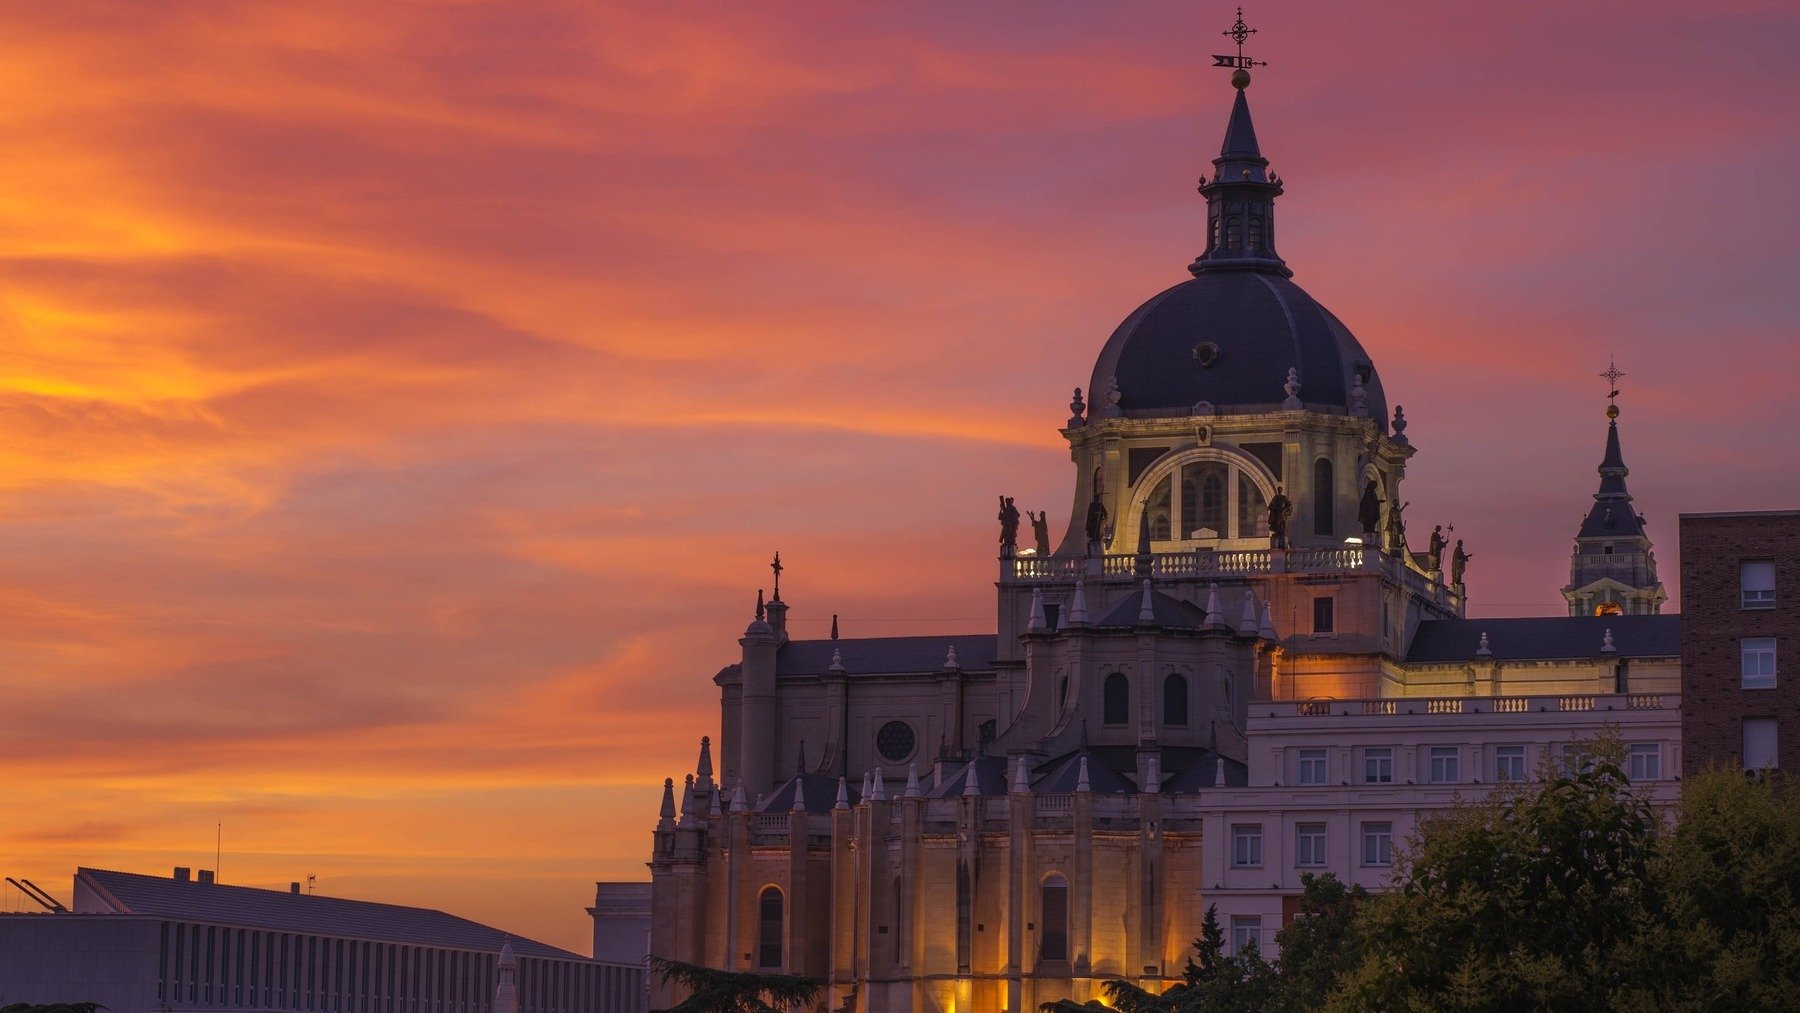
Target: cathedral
[{"x": 1233, "y": 668}]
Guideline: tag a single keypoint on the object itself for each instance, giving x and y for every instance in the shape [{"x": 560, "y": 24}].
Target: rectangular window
[
  {"x": 1378, "y": 766},
  {"x": 1309, "y": 845},
  {"x": 1758, "y": 662},
  {"x": 1756, "y": 580},
  {"x": 1446, "y": 765},
  {"x": 1324, "y": 615},
  {"x": 1759, "y": 744},
  {"x": 1246, "y": 845},
  {"x": 1646, "y": 761},
  {"x": 1312, "y": 767},
  {"x": 1246, "y": 932},
  {"x": 1377, "y": 843},
  {"x": 1509, "y": 763}
]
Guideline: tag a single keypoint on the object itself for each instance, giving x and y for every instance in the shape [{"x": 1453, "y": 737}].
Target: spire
[
  {"x": 506, "y": 992},
  {"x": 1146, "y": 608},
  {"x": 1038, "y": 619},
  {"x": 1240, "y": 199},
  {"x": 912, "y": 780},
  {"x": 667, "y": 822},
  {"x": 880, "y": 786},
  {"x": 1081, "y": 776},
  {"x": 799, "y": 794},
  {"x": 738, "y": 802},
  {"x": 843, "y": 796},
  {"x": 834, "y": 633},
  {"x": 704, "y": 769},
  {"x": 1214, "y": 616},
  {"x": 1078, "y": 612},
  {"x": 1612, "y": 569},
  {"x": 1247, "y": 621}
]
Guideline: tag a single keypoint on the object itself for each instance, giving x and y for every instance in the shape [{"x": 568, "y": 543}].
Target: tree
[
  {"x": 1211, "y": 982},
  {"x": 52, "y": 1007},
  {"x": 714, "y": 991},
  {"x": 1322, "y": 944},
  {"x": 1533, "y": 898}
]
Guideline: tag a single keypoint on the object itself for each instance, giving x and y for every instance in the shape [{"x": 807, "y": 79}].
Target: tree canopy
[
  {"x": 714, "y": 991},
  {"x": 1566, "y": 893}
]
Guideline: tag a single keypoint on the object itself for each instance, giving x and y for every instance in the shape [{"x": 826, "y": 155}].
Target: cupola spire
[
  {"x": 1612, "y": 570},
  {"x": 1240, "y": 198}
]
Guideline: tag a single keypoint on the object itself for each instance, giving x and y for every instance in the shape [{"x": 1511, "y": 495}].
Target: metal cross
[
  {"x": 777, "y": 567},
  {"x": 1239, "y": 32},
  {"x": 1612, "y": 376}
]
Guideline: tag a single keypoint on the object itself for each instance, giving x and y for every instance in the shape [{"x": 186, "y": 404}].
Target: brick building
[{"x": 1740, "y": 584}]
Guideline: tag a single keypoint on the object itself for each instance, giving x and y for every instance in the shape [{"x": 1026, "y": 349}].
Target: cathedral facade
[{"x": 1232, "y": 666}]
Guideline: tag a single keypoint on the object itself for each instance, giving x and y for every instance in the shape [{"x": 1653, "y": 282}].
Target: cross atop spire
[
  {"x": 1611, "y": 376},
  {"x": 1239, "y": 33},
  {"x": 777, "y": 567}
]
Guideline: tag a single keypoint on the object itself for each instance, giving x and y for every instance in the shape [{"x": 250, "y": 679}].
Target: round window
[{"x": 895, "y": 740}]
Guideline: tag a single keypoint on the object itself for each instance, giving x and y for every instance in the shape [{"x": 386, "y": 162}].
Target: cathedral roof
[
  {"x": 1550, "y": 638},
  {"x": 1229, "y": 336},
  {"x": 887, "y": 655},
  {"x": 820, "y": 794},
  {"x": 1171, "y": 612}
]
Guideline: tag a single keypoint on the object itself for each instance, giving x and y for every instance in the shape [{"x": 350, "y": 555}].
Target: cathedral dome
[{"x": 1228, "y": 338}]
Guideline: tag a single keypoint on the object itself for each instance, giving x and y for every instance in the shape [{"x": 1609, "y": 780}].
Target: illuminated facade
[{"x": 989, "y": 822}]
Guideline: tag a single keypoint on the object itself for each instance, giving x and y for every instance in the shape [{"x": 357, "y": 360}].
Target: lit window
[
  {"x": 1756, "y": 578},
  {"x": 1204, "y": 500},
  {"x": 1246, "y": 933},
  {"x": 1324, "y": 614},
  {"x": 1246, "y": 845},
  {"x": 1378, "y": 766},
  {"x": 1509, "y": 763},
  {"x": 1309, "y": 844},
  {"x": 1377, "y": 843},
  {"x": 1646, "y": 761},
  {"x": 1446, "y": 765},
  {"x": 1759, "y": 744},
  {"x": 1312, "y": 767},
  {"x": 1759, "y": 662}
]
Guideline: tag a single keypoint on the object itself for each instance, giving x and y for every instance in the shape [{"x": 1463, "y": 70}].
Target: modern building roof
[
  {"x": 1549, "y": 638},
  {"x": 251, "y": 907}
]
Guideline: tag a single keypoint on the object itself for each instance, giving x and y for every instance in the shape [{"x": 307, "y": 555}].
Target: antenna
[
  {"x": 312, "y": 880},
  {"x": 218, "y": 848}
]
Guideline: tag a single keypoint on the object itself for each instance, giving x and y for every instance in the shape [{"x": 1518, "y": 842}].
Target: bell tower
[{"x": 1611, "y": 569}]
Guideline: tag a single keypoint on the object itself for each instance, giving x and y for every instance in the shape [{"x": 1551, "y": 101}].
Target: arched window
[
  {"x": 1204, "y": 499},
  {"x": 1175, "y": 701},
  {"x": 768, "y": 928},
  {"x": 1116, "y": 700},
  {"x": 1254, "y": 236},
  {"x": 1323, "y": 522},
  {"x": 1054, "y": 940}
]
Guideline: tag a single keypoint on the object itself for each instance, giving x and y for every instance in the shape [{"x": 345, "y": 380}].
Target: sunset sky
[{"x": 399, "y": 402}]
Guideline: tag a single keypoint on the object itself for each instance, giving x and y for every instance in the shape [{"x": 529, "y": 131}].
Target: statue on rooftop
[
  {"x": 1098, "y": 530},
  {"x": 1435, "y": 554},
  {"x": 1009, "y": 526},
  {"x": 1459, "y": 560},
  {"x": 1396, "y": 528},
  {"x": 1040, "y": 531},
  {"x": 1280, "y": 509},
  {"x": 1368, "y": 512}
]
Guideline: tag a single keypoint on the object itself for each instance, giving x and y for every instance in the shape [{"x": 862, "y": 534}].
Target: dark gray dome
[{"x": 1257, "y": 325}]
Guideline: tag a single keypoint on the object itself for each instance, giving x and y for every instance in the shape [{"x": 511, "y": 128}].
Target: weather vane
[
  {"x": 1612, "y": 375},
  {"x": 1239, "y": 32}
]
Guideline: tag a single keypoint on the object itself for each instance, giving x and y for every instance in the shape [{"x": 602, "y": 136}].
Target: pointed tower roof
[{"x": 1612, "y": 515}]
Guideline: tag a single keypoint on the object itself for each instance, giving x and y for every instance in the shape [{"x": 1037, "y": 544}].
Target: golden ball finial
[
  {"x": 1612, "y": 411},
  {"x": 1240, "y": 79}
]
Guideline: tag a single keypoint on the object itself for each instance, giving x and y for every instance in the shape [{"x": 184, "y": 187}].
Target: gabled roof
[
  {"x": 887, "y": 655},
  {"x": 1547, "y": 638},
  {"x": 820, "y": 797},
  {"x": 1170, "y": 612},
  {"x": 250, "y": 907}
]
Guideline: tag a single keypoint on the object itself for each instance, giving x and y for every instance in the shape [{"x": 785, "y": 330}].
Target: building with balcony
[{"x": 1232, "y": 667}]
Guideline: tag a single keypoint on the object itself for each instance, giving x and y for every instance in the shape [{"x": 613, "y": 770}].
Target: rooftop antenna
[
  {"x": 1239, "y": 33},
  {"x": 218, "y": 848},
  {"x": 312, "y": 880}
]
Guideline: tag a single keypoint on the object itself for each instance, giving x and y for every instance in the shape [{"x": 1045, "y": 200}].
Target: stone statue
[
  {"x": 1459, "y": 560},
  {"x": 1280, "y": 509},
  {"x": 1396, "y": 528},
  {"x": 1435, "y": 554},
  {"x": 1098, "y": 530},
  {"x": 1009, "y": 526},
  {"x": 1368, "y": 512},
  {"x": 1040, "y": 530}
]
